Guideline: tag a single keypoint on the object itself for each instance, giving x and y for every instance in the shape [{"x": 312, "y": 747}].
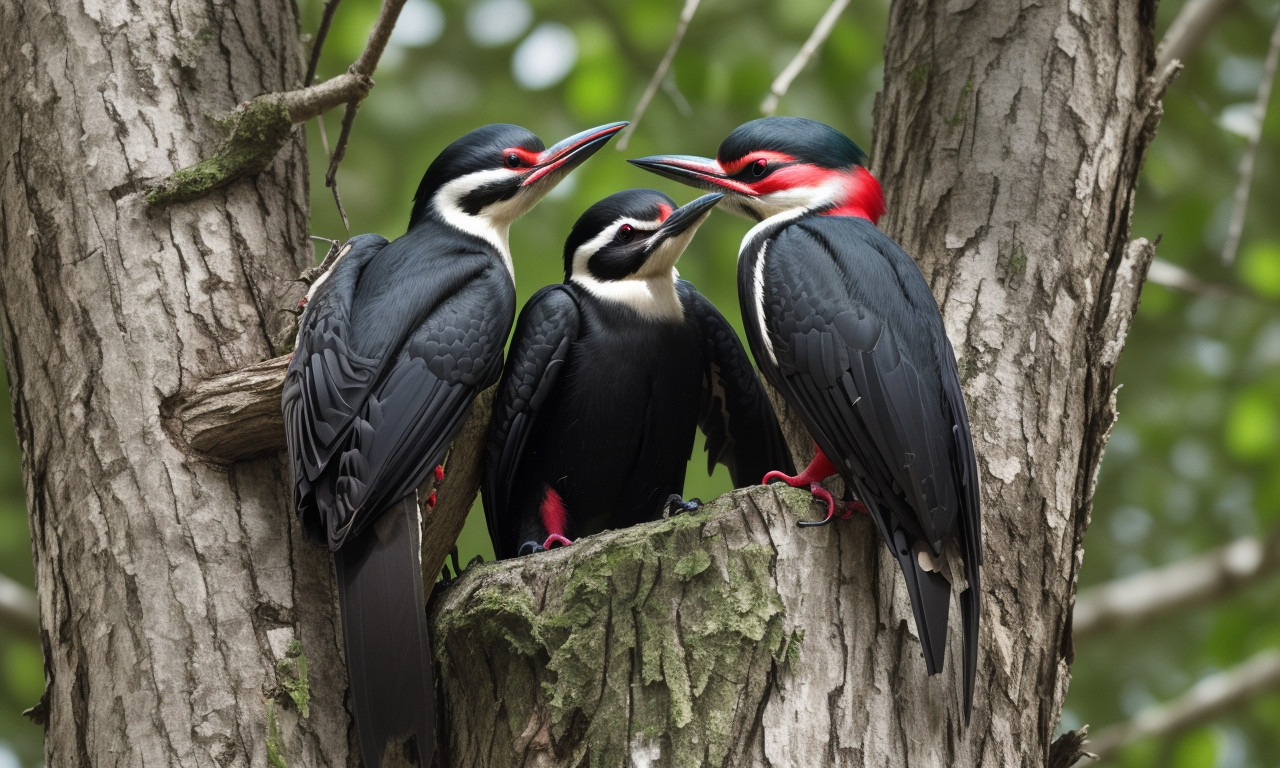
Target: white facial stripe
[
  {"x": 832, "y": 191},
  {"x": 664, "y": 259},
  {"x": 585, "y": 251},
  {"x": 653, "y": 298},
  {"x": 491, "y": 224}
]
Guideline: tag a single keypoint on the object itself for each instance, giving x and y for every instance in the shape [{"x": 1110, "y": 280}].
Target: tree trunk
[
  {"x": 184, "y": 621},
  {"x": 1009, "y": 141}
]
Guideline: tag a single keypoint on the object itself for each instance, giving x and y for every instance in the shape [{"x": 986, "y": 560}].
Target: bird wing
[
  {"x": 327, "y": 379},
  {"x": 547, "y": 327},
  {"x": 851, "y": 335},
  {"x": 417, "y": 407},
  {"x": 734, "y": 414}
]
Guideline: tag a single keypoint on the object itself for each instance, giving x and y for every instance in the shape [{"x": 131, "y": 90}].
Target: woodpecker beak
[
  {"x": 568, "y": 154},
  {"x": 700, "y": 172},
  {"x": 685, "y": 219},
  {"x": 664, "y": 248}
]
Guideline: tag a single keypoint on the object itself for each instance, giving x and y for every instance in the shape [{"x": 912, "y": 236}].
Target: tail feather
[
  {"x": 930, "y": 601},
  {"x": 969, "y": 609},
  {"x": 384, "y": 624}
]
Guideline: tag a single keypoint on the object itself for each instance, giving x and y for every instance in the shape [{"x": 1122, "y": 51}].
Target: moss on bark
[
  {"x": 654, "y": 632},
  {"x": 255, "y": 133}
]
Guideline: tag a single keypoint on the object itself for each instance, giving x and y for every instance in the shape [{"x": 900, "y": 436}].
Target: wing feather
[{"x": 545, "y": 331}]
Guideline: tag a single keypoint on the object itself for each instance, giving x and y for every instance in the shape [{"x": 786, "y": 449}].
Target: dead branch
[
  {"x": 788, "y": 74},
  {"x": 19, "y": 611},
  {"x": 257, "y": 129},
  {"x": 1240, "y": 201},
  {"x": 686, "y": 16},
  {"x": 1189, "y": 29},
  {"x": 1207, "y": 699},
  {"x": 1138, "y": 599}
]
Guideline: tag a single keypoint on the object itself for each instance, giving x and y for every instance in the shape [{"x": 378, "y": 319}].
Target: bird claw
[
  {"x": 676, "y": 505},
  {"x": 847, "y": 508},
  {"x": 529, "y": 548}
]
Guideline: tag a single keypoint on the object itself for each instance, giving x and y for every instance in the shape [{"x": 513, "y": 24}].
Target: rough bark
[
  {"x": 173, "y": 588},
  {"x": 1009, "y": 141},
  {"x": 184, "y": 620}
]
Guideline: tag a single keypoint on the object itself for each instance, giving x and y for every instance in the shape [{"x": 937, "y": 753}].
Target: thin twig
[
  {"x": 1180, "y": 279},
  {"x": 1240, "y": 203},
  {"x": 363, "y": 66},
  {"x": 1207, "y": 699},
  {"x": 378, "y": 38},
  {"x": 686, "y": 16},
  {"x": 19, "y": 610},
  {"x": 1138, "y": 599},
  {"x": 315, "y": 100},
  {"x": 326, "y": 19},
  {"x": 673, "y": 92},
  {"x": 1189, "y": 29},
  {"x": 816, "y": 38}
]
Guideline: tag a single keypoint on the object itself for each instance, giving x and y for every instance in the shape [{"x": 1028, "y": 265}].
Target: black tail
[
  {"x": 384, "y": 623},
  {"x": 930, "y": 601}
]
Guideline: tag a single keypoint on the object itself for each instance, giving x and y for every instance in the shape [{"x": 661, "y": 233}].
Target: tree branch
[
  {"x": 257, "y": 129},
  {"x": 816, "y": 38},
  {"x": 1207, "y": 699},
  {"x": 686, "y": 16},
  {"x": 1240, "y": 202},
  {"x": 1138, "y": 599},
  {"x": 19, "y": 610},
  {"x": 236, "y": 415},
  {"x": 1173, "y": 276},
  {"x": 1189, "y": 29},
  {"x": 326, "y": 20}
]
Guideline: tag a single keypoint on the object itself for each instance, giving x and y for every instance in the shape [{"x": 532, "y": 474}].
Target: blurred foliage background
[{"x": 1192, "y": 463}]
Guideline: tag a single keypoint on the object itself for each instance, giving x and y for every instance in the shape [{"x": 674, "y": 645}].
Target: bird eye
[
  {"x": 759, "y": 167},
  {"x": 513, "y": 160},
  {"x": 626, "y": 233}
]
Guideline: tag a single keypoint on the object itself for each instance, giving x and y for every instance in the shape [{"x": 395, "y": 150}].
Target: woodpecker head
[
  {"x": 634, "y": 235},
  {"x": 780, "y": 164},
  {"x": 495, "y": 174}
]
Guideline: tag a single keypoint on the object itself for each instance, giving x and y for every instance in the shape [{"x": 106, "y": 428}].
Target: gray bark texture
[
  {"x": 183, "y": 619},
  {"x": 1009, "y": 140}
]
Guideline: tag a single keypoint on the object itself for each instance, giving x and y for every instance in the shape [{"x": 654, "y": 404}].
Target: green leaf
[
  {"x": 1197, "y": 749},
  {"x": 1251, "y": 426},
  {"x": 1260, "y": 267},
  {"x": 24, "y": 671}
]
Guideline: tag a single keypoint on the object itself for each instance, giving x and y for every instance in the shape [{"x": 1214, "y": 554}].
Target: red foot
[
  {"x": 431, "y": 500},
  {"x": 557, "y": 540},
  {"x": 302, "y": 303},
  {"x": 439, "y": 473},
  {"x": 812, "y": 476},
  {"x": 818, "y": 470}
]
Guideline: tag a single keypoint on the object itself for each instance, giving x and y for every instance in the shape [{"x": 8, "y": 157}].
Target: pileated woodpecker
[
  {"x": 395, "y": 341},
  {"x": 843, "y": 324},
  {"x": 608, "y": 376}
]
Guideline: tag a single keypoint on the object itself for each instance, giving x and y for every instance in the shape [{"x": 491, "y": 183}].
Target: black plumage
[
  {"x": 842, "y": 323},
  {"x": 607, "y": 377},
  {"x": 396, "y": 340}
]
